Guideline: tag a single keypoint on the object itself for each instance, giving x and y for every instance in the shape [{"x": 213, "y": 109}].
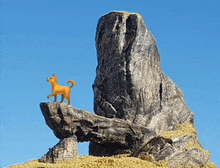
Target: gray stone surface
[
  {"x": 65, "y": 121},
  {"x": 120, "y": 136},
  {"x": 129, "y": 82},
  {"x": 128, "y": 78},
  {"x": 175, "y": 151},
  {"x": 66, "y": 149}
]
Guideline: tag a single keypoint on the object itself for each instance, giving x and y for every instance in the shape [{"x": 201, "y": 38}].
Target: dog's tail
[{"x": 73, "y": 83}]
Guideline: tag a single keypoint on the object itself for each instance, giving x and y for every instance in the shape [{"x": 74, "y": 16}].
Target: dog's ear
[{"x": 55, "y": 78}]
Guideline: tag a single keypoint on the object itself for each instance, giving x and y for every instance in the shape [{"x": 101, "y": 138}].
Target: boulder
[
  {"x": 180, "y": 147},
  {"x": 66, "y": 149},
  {"x": 129, "y": 82}
]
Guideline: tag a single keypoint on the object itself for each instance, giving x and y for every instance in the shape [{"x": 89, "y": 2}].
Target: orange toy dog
[{"x": 60, "y": 90}]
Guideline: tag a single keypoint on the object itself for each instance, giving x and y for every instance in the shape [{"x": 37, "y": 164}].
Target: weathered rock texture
[
  {"x": 137, "y": 106},
  {"x": 71, "y": 126},
  {"x": 181, "y": 148},
  {"x": 129, "y": 83},
  {"x": 67, "y": 122},
  {"x": 66, "y": 149}
]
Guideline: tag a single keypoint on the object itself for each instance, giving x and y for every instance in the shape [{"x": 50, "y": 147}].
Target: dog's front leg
[
  {"x": 55, "y": 98},
  {"x": 50, "y": 96}
]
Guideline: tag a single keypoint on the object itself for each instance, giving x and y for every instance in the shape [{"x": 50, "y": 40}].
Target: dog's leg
[
  {"x": 67, "y": 95},
  {"x": 68, "y": 101},
  {"x": 68, "y": 98},
  {"x": 55, "y": 98},
  {"x": 63, "y": 97},
  {"x": 50, "y": 96}
]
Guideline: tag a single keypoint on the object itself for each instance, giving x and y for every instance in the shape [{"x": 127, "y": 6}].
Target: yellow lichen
[
  {"x": 211, "y": 165},
  {"x": 180, "y": 130},
  {"x": 128, "y": 13},
  {"x": 124, "y": 12},
  {"x": 150, "y": 158},
  {"x": 192, "y": 144}
]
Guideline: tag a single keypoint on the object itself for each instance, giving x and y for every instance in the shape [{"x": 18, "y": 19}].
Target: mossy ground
[{"x": 121, "y": 161}]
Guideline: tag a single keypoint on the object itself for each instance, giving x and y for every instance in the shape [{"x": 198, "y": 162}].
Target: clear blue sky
[{"x": 42, "y": 37}]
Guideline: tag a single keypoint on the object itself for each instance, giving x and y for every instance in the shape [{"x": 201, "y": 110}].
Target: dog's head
[{"x": 53, "y": 79}]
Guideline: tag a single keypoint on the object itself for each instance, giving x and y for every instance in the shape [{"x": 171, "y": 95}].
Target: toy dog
[{"x": 60, "y": 90}]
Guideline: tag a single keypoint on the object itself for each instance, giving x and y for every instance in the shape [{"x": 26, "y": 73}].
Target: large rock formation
[
  {"x": 138, "y": 109},
  {"x": 129, "y": 83},
  {"x": 71, "y": 125},
  {"x": 179, "y": 146},
  {"x": 65, "y": 121}
]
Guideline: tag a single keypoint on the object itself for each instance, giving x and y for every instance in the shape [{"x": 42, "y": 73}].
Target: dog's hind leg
[
  {"x": 68, "y": 98},
  {"x": 69, "y": 101},
  {"x": 63, "y": 97}
]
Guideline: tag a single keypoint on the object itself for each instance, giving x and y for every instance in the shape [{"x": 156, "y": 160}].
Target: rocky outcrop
[
  {"x": 181, "y": 148},
  {"x": 67, "y": 122},
  {"x": 129, "y": 82},
  {"x": 66, "y": 149},
  {"x": 138, "y": 109}
]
